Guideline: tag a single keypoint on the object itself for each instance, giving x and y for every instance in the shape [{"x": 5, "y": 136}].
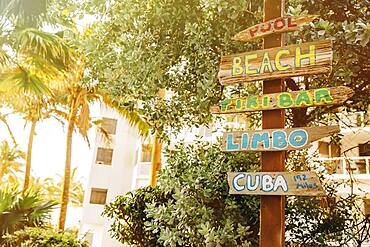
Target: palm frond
[
  {"x": 19, "y": 79},
  {"x": 133, "y": 117},
  {"x": 43, "y": 46}
]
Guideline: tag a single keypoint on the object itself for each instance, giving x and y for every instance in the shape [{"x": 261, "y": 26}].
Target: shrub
[{"x": 38, "y": 237}]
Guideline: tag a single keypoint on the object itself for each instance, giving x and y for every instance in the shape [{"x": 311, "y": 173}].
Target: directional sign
[
  {"x": 275, "y": 183},
  {"x": 295, "y": 99},
  {"x": 275, "y": 139},
  {"x": 280, "y": 62},
  {"x": 278, "y": 25}
]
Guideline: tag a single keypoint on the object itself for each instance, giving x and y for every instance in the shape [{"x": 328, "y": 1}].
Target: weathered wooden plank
[
  {"x": 280, "y": 62},
  {"x": 277, "y": 25},
  {"x": 295, "y": 99},
  {"x": 275, "y": 183},
  {"x": 275, "y": 139}
]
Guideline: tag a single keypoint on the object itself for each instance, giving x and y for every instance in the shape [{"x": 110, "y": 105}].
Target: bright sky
[{"x": 49, "y": 147}]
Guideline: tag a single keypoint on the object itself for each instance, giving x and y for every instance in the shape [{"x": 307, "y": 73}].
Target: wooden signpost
[
  {"x": 277, "y": 25},
  {"x": 271, "y": 65},
  {"x": 295, "y": 99},
  {"x": 275, "y": 139},
  {"x": 293, "y": 60},
  {"x": 275, "y": 183}
]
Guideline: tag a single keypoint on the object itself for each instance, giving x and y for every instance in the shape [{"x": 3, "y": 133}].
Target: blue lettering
[
  {"x": 298, "y": 138},
  {"x": 250, "y": 185},
  {"x": 230, "y": 146},
  {"x": 244, "y": 141},
  {"x": 258, "y": 138},
  {"x": 279, "y": 139}
]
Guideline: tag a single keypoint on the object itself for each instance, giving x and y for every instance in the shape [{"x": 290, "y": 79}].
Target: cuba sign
[
  {"x": 295, "y": 99},
  {"x": 275, "y": 139},
  {"x": 275, "y": 183},
  {"x": 278, "y": 25},
  {"x": 280, "y": 62}
]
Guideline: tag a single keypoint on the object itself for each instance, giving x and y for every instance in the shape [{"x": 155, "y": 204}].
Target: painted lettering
[
  {"x": 235, "y": 183},
  {"x": 303, "y": 99},
  {"x": 231, "y": 146},
  {"x": 322, "y": 96},
  {"x": 237, "y": 68},
  {"x": 267, "y": 183},
  {"x": 266, "y": 63},
  {"x": 279, "y": 139},
  {"x": 278, "y": 64},
  {"x": 310, "y": 56},
  {"x": 252, "y": 103},
  {"x": 280, "y": 182},
  {"x": 285, "y": 100},
  {"x": 250, "y": 186},
  {"x": 298, "y": 138},
  {"x": 259, "y": 138},
  {"x": 248, "y": 70},
  {"x": 245, "y": 141}
]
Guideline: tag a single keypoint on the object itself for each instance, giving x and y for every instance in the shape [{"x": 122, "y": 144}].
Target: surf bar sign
[
  {"x": 275, "y": 139},
  {"x": 278, "y": 25},
  {"x": 273, "y": 63},
  {"x": 275, "y": 183},
  {"x": 295, "y": 99}
]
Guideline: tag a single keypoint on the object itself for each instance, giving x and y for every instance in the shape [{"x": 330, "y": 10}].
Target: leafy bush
[
  {"x": 38, "y": 237},
  {"x": 21, "y": 209},
  {"x": 192, "y": 206}
]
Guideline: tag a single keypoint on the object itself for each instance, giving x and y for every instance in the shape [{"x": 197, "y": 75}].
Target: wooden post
[
  {"x": 156, "y": 149},
  {"x": 156, "y": 160},
  {"x": 272, "y": 227}
]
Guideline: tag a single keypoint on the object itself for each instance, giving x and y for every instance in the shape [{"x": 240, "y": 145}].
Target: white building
[
  {"x": 118, "y": 166},
  {"x": 116, "y": 169}
]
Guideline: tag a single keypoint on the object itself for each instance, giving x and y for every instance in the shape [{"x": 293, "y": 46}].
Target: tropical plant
[
  {"x": 51, "y": 188},
  {"x": 21, "y": 209},
  {"x": 39, "y": 237},
  {"x": 31, "y": 61},
  {"x": 3, "y": 119},
  {"x": 191, "y": 206},
  {"x": 10, "y": 163},
  {"x": 73, "y": 101}
]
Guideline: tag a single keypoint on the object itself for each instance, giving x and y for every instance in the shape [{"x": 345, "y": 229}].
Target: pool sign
[
  {"x": 275, "y": 139},
  {"x": 275, "y": 183},
  {"x": 278, "y": 25},
  {"x": 279, "y": 62},
  {"x": 295, "y": 99}
]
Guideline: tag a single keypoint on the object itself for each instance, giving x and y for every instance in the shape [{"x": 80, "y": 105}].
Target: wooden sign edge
[
  {"x": 273, "y": 75},
  {"x": 313, "y": 175},
  {"x": 216, "y": 109},
  {"x": 332, "y": 129},
  {"x": 299, "y": 20}
]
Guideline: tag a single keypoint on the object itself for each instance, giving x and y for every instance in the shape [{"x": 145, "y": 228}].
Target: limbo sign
[
  {"x": 269, "y": 64},
  {"x": 295, "y": 99},
  {"x": 275, "y": 139},
  {"x": 275, "y": 183}
]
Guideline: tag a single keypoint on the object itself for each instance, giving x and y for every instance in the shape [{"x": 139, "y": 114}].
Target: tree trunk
[
  {"x": 156, "y": 160},
  {"x": 29, "y": 156},
  {"x": 67, "y": 172},
  {"x": 3, "y": 119}
]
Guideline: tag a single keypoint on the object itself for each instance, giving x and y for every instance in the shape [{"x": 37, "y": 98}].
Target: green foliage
[
  {"x": 192, "y": 206},
  {"x": 130, "y": 216},
  {"x": 175, "y": 45},
  {"x": 21, "y": 209},
  {"x": 10, "y": 163},
  {"x": 38, "y": 237}
]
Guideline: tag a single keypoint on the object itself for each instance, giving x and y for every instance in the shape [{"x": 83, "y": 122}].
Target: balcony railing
[{"x": 345, "y": 166}]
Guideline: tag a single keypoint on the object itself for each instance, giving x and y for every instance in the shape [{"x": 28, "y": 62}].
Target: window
[
  {"x": 109, "y": 125},
  {"x": 146, "y": 153},
  {"x": 104, "y": 156},
  {"x": 364, "y": 149},
  {"x": 98, "y": 196},
  {"x": 327, "y": 149}
]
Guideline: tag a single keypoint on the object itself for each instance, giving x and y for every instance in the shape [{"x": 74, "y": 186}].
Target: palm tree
[
  {"x": 74, "y": 100},
  {"x": 10, "y": 164},
  {"x": 32, "y": 62}
]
